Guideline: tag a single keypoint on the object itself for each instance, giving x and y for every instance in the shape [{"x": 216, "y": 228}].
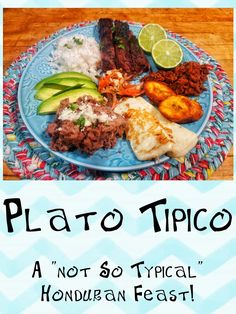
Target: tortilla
[{"x": 182, "y": 139}]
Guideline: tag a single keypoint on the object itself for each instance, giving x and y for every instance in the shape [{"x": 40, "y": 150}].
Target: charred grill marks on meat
[
  {"x": 120, "y": 48},
  {"x": 106, "y": 44},
  {"x": 120, "y": 39},
  {"x": 139, "y": 60}
]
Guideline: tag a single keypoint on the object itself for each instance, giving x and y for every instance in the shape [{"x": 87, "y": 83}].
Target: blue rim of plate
[{"x": 140, "y": 166}]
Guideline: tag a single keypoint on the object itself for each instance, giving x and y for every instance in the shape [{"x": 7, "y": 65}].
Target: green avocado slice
[
  {"x": 61, "y": 75},
  {"x": 46, "y": 92},
  {"x": 51, "y": 105},
  {"x": 69, "y": 81},
  {"x": 50, "y": 89}
]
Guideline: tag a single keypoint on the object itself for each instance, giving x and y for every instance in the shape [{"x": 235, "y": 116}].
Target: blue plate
[{"x": 119, "y": 158}]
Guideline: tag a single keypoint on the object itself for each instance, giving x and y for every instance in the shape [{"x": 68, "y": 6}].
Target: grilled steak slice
[
  {"x": 121, "y": 42},
  {"x": 106, "y": 44},
  {"x": 139, "y": 60},
  {"x": 120, "y": 49}
]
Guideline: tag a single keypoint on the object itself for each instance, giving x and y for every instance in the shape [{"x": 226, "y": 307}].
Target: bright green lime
[
  {"x": 167, "y": 53},
  {"x": 149, "y": 35}
]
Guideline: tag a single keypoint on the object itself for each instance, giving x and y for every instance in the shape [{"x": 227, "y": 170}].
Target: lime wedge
[
  {"x": 149, "y": 35},
  {"x": 167, "y": 53}
]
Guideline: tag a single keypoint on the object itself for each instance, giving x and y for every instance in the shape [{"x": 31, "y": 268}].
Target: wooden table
[{"x": 210, "y": 29}]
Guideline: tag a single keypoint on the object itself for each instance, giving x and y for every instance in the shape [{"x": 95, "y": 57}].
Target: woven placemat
[{"x": 29, "y": 160}]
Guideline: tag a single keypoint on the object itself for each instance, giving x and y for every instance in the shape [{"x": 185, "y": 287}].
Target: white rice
[{"x": 77, "y": 53}]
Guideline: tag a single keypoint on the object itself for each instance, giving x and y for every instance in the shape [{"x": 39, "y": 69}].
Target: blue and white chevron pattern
[
  {"x": 118, "y": 3},
  {"x": 214, "y": 287}
]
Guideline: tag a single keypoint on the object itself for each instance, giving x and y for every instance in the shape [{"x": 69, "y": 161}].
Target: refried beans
[{"x": 85, "y": 125}]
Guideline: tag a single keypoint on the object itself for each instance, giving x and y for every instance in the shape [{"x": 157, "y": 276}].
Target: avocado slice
[
  {"x": 61, "y": 75},
  {"x": 51, "y": 105},
  {"x": 49, "y": 89},
  {"x": 46, "y": 92},
  {"x": 69, "y": 81}
]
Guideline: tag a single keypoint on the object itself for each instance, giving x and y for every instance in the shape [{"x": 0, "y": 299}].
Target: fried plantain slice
[
  {"x": 157, "y": 91},
  {"x": 180, "y": 109}
]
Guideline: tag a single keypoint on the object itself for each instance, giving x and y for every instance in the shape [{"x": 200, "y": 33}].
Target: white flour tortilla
[{"x": 183, "y": 139}]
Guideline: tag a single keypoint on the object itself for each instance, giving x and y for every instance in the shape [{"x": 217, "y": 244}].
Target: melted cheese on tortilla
[
  {"x": 148, "y": 137},
  {"x": 152, "y": 135}
]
